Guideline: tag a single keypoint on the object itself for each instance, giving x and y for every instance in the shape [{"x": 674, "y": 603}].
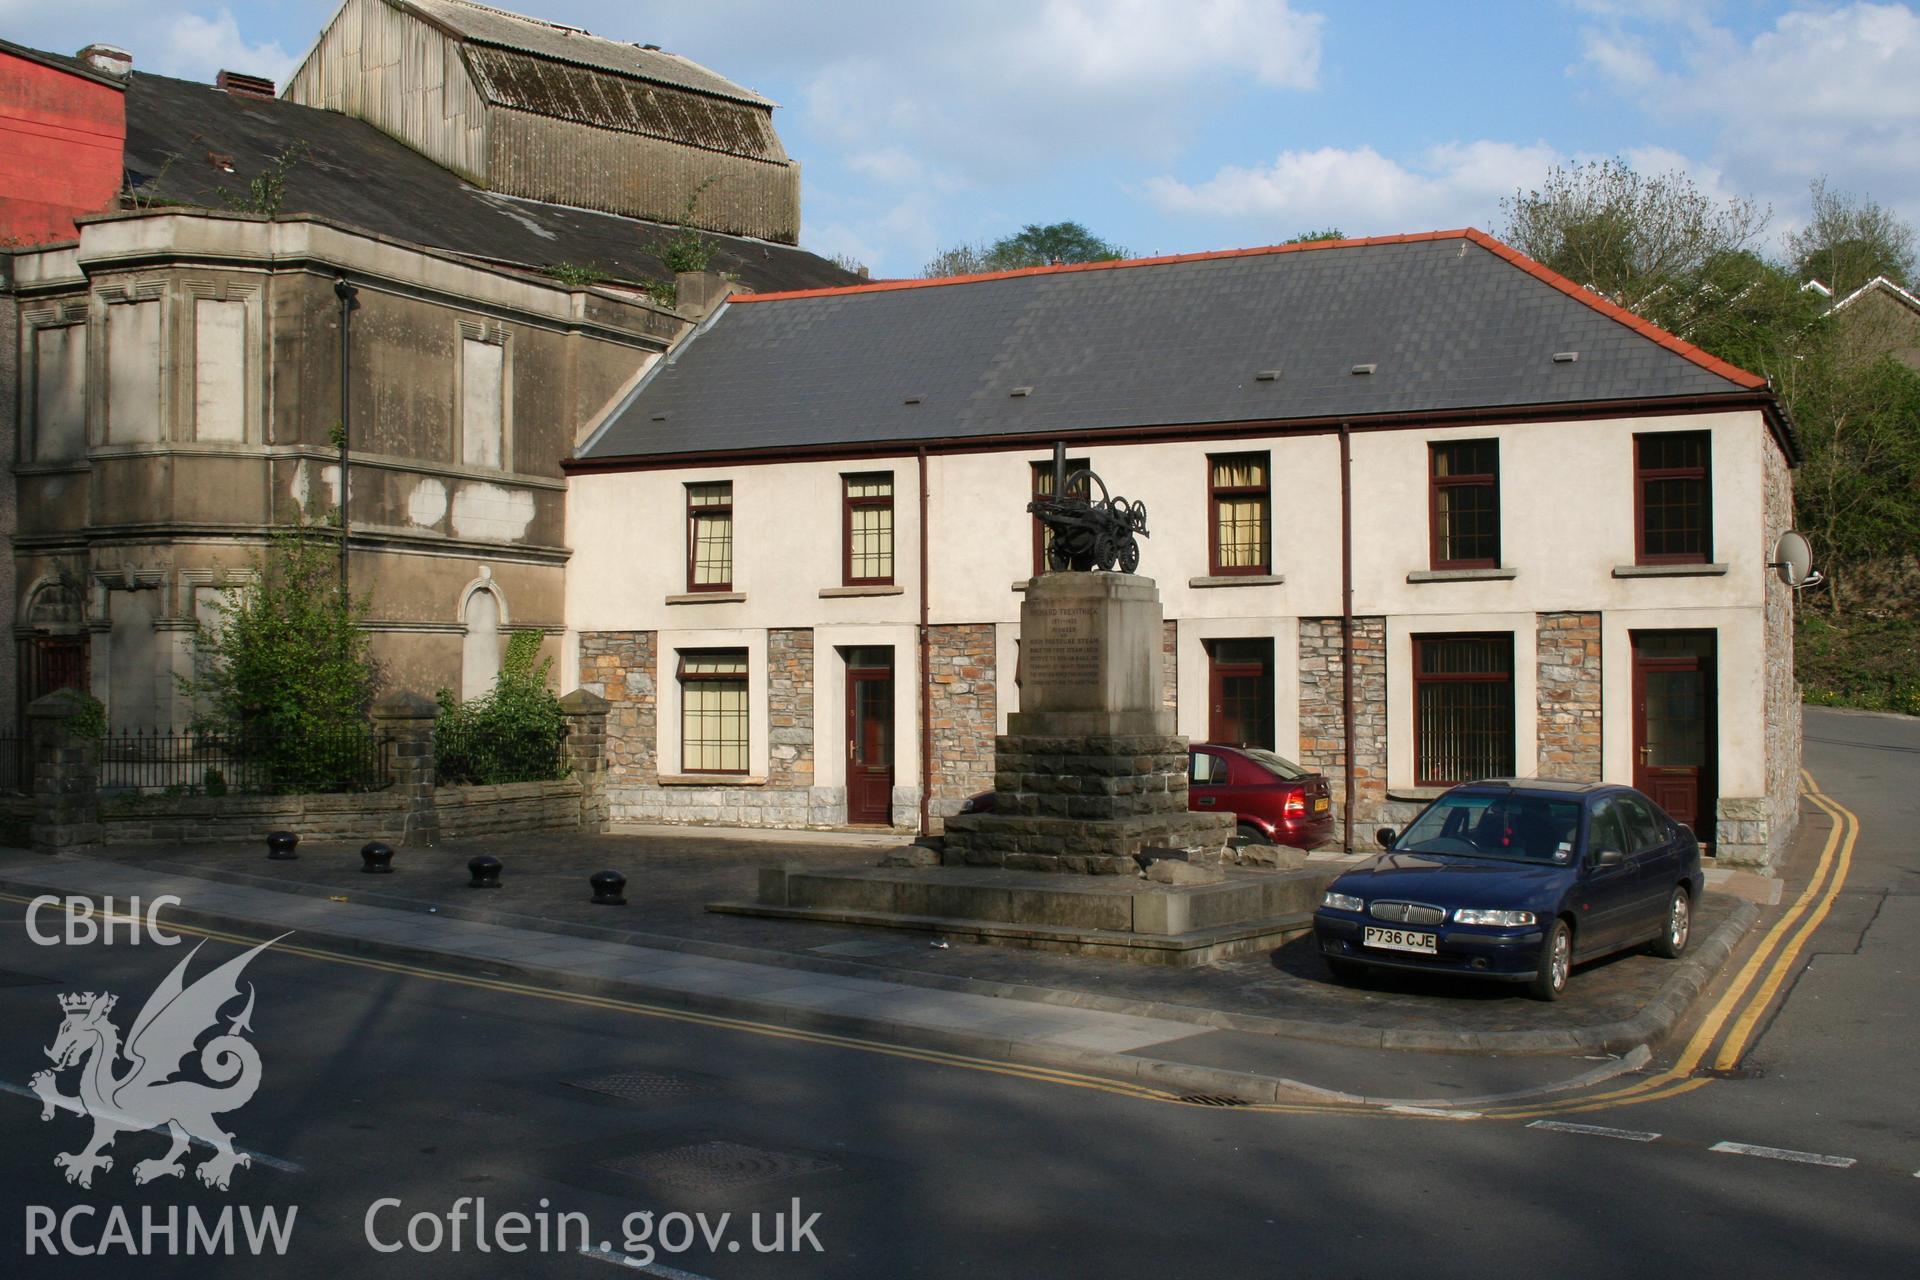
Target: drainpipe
[
  {"x": 1346, "y": 619},
  {"x": 345, "y": 292},
  {"x": 926, "y": 665}
]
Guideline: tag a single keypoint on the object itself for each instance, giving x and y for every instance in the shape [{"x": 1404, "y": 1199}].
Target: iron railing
[
  {"x": 473, "y": 755},
  {"x": 347, "y": 757}
]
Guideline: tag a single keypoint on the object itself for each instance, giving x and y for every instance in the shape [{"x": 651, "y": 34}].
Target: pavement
[{"x": 1274, "y": 1026}]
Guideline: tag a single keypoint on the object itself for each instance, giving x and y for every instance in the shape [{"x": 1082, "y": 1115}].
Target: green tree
[
  {"x": 1033, "y": 245},
  {"x": 1314, "y": 237},
  {"x": 1634, "y": 238},
  {"x": 1850, "y": 240},
  {"x": 512, "y": 733},
  {"x": 284, "y": 670}
]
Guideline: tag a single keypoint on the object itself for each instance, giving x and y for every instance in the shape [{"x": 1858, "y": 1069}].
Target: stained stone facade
[
  {"x": 619, "y": 667},
  {"x": 1170, "y": 660},
  {"x": 1568, "y": 646},
  {"x": 964, "y": 694},
  {"x": 790, "y": 708},
  {"x": 1322, "y": 720},
  {"x": 1755, "y": 831}
]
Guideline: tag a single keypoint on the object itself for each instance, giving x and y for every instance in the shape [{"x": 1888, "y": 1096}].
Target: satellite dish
[{"x": 1793, "y": 559}]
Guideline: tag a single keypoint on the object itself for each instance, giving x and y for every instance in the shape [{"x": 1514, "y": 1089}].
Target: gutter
[
  {"x": 926, "y": 666},
  {"x": 1346, "y": 626}
]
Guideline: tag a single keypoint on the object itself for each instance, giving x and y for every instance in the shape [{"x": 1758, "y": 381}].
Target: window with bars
[
  {"x": 710, "y": 536},
  {"x": 1042, "y": 487},
  {"x": 1464, "y": 502},
  {"x": 1463, "y": 708},
  {"x": 866, "y": 527},
  {"x": 1672, "y": 494},
  {"x": 713, "y": 711},
  {"x": 1240, "y": 504}
]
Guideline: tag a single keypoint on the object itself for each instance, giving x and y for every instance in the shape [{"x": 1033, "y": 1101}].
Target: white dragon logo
[{"x": 146, "y": 1096}]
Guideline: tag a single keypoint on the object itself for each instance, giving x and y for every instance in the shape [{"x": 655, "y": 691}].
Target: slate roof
[
  {"x": 355, "y": 174},
  {"x": 1449, "y": 321},
  {"x": 484, "y": 25}
]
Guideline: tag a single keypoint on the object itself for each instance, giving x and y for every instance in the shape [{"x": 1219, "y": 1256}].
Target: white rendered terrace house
[{"x": 1531, "y": 526}]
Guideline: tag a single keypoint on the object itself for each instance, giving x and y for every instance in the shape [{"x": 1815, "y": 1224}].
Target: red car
[{"x": 1276, "y": 800}]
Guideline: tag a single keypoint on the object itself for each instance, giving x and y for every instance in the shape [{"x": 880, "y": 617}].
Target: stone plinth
[{"x": 1090, "y": 771}]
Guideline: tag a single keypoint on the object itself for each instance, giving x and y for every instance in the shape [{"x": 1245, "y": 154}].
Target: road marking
[
  {"x": 1774, "y": 957},
  {"x": 1781, "y": 1153},
  {"x": 1596, "y": 1130},
  {"x": 258, "y": 1157},
  {"x": 1432, "y": 1113},
  {"x": 619, "y": 1259}
]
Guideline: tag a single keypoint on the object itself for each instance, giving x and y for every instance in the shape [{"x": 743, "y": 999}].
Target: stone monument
[{"x": 1090, "y": 772}]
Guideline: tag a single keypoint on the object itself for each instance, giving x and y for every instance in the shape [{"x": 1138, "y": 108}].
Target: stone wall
[
  {"x": 1170, "y": 660},
  {"x": 620, "y": 667},
  {"x": 1754, "y": 830},
  {"x": 964, "y": 702},
  {"x": 1570, "y": 708},
  {"x": 1322, "y": 719},
  {"x": 376, "y": 815},
  {"x": 790, "y": 708}
]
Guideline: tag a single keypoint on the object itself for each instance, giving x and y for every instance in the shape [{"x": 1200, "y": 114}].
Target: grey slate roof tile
[{"x": 1449, "y": 323}]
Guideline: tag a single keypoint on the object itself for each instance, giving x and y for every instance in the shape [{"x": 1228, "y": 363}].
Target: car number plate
[
  {"x": 1319, "y": 804},
  {"x": 1403, "y": 940}
]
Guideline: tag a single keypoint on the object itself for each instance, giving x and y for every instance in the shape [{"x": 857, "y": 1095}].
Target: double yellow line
[
  {"x": 1753, "y": 989},
  {"x": 1743, "y": 1003}
]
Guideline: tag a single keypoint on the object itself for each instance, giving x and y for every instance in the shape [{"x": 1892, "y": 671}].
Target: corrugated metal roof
[
  {"x": 590, "y": 96},
  {"x": 570, "y": 44},
  {"x": 1449, "y": 322}
]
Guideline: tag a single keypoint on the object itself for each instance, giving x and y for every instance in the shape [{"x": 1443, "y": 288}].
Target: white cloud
[
  {"x": 1127, "y": 42},
  {"x": 194, "y": 47},
  {"x": 1360, "y": 190},
  {"x": 1822, "y": 91}
]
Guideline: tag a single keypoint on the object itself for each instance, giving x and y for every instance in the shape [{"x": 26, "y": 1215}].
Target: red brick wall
[{"x": 62, "y": 138}]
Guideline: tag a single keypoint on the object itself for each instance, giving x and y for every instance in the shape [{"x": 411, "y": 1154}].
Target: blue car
[{"x": 1517, "y": 881}]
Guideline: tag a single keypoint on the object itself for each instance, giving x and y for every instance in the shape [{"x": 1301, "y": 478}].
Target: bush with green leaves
[
  {"x": 283, "y": 674},
  {"x": 512, "y": 733}
]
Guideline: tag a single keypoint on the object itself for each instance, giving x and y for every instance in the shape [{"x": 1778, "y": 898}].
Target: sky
[{"x": 1174, "y": 126}]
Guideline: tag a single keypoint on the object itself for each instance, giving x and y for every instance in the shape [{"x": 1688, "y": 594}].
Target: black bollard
[
  {"x": 609, "y": 888},
  {"x": 485, "y": 871},
  {"x": 280, "y": 846},
  {"x": 378, "y": 858}
]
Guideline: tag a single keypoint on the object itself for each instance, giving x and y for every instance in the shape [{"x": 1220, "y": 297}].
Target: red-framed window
[
  {"x": 1463, "y": 504},
  {"x": 1239, "y": 513},
  {"x": 866, "y": 529},
  {"x": 1043, "y": 486},
  {"x": 710, "y": 536},
  {"x": 1673, "y": 497},
  {"x": 713, "y": 711},
  {"x": 1463, "y": 708}
]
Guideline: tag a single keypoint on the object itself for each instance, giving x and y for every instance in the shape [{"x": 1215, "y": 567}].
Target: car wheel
[
  {"x": 1556, "y": 963},
  {"x": 1679, "y": 926},
  {"x": 1252, "y": 834}
]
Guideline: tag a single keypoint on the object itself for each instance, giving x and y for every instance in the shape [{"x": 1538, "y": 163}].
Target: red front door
[
  {"x": 1675, "y": 725},
  {"x": 1240, "y": 693},
  {"x": 870, "y": 737}
]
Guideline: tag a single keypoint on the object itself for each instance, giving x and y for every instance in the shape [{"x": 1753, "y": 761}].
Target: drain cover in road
[
  {"x": 642, "y": 1085},
  {"x": 717, "y": 1165}
]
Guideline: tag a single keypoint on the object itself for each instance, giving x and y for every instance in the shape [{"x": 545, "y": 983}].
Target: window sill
[
  {"x": 1238, "y": 580},
  {"x": 1419, "y": 794},
  {"x": 871, "y": 589},
  {"x": 1462, "y": 575},
  {"x": 1669, "y": 570},
  {"x": 710, "y": 780},
  {"x": 709, "y": 597}
]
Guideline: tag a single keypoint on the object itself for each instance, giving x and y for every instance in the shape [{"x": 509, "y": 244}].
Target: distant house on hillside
[{"x": 1881, "y": 316}]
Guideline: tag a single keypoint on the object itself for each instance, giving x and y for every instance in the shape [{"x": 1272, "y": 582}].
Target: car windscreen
[
  {"x": 1287, "y": 770},
  {"x": 1507, "y": 825}
]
